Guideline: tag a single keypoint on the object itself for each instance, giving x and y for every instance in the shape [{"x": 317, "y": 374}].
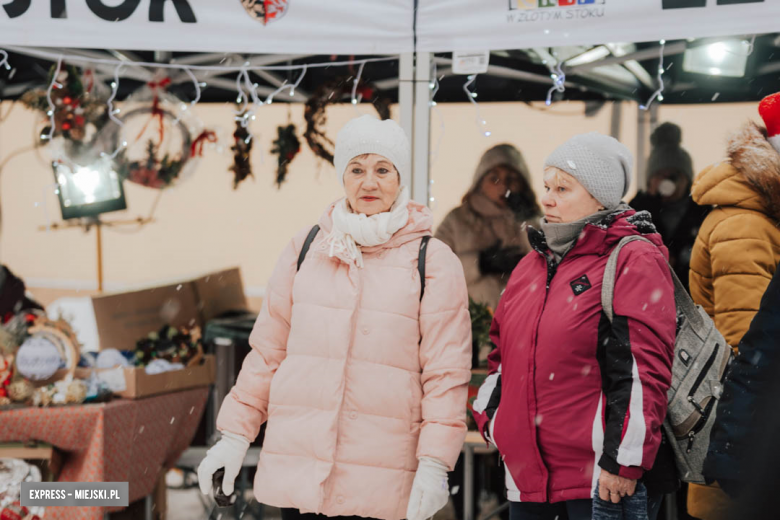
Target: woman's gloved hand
[
  {"x": 430, "y": 490},
  {"x": 228, "y": 453},
  {"x": 499, "y": 260}
]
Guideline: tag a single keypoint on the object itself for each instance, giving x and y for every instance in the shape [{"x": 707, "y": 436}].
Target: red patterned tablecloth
[{"x": 121, "y": 441}]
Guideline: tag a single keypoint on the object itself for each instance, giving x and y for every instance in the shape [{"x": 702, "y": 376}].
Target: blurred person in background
[
  {"x": 744, "y": 454},
  {"x": 668, "y": 197},
  {"x": 738, "y": 247},
  {"x": 488, "y": 230},
  {"x": 749, "y": 399}
]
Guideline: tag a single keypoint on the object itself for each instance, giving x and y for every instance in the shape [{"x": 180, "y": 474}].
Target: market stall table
[
  {"x": 120, "y": 441},
  {"x": 474, "y": 444}
]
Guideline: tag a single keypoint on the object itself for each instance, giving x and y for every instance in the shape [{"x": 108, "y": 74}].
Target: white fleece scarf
[{"x": 352, "y": 230}]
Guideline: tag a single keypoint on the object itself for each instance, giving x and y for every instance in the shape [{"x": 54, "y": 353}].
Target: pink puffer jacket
[{"x": 356, "y": 377}]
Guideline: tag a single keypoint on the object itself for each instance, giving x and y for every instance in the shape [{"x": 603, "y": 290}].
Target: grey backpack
[{"x": 701, "y": 357}]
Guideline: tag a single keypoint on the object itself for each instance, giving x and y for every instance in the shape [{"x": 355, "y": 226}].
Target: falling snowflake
[{"x": 656, "y": 295}]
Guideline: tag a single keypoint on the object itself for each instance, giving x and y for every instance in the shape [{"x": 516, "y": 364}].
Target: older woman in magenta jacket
[
  {"x": 361, "y": 378},
  {"x": 573, "y": 402}
]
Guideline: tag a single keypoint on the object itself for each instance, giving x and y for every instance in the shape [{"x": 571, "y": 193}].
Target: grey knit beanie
[
  {"x": 367, "y": 134},
  {"x": 599, "y": 162},
  {"x": 501, "y": 155},
  {"x": 667, "y": 154}
]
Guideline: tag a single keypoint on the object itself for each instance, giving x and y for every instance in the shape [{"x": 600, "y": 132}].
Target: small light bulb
[
  {"x": 50, "y": 113},
  {"x": 663, "y": 42},
  {"x": 488, "y": 134},
  {"x": 354, "y": 101},
  {"x": 113, "y": 84},
  {"x": 660, "y": 97},
  {"x": 253, "y": 118},
  {"x": 433, "y": 103},
  {"x": 474, "y": 95}
]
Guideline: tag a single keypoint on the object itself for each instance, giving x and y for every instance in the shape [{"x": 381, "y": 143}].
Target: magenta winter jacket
[
  {"x": 356, "y": 377},
  {"x": 569, "y": 394}
]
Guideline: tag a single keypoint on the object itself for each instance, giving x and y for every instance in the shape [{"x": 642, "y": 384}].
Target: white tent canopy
[
  {"x": 360, "y": 27},
  {"x": 246, "y": 26}
]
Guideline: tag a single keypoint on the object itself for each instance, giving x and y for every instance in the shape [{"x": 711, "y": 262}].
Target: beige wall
[{"x": 204, "y": 225}]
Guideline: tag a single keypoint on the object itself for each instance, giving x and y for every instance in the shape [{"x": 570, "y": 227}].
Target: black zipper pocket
[
  {"x": 705, "y": 415},
  {"x": 702, "y": 375}
]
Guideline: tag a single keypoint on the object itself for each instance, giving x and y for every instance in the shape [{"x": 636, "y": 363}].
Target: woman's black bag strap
[
  {"x": 420, "y": 260},
  {"x": 421, "y": 263},
  {"x": 307, "y": 245}
]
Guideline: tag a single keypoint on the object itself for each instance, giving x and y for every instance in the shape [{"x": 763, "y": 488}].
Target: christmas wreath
[
  {"x": 329, "y": 94},
  {"x": 155, "y": 142}
]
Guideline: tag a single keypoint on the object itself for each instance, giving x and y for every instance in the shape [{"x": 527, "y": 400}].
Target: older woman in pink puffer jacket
[{"x": 361, "y": 374}]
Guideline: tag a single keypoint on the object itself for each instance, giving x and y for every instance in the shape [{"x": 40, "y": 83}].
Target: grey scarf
[{"x": 562, "y": 237}]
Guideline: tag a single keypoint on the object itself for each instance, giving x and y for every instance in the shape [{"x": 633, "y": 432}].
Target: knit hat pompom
[
  {"x": 668, "y": 134},
  {"x": 769, "y": 109}
]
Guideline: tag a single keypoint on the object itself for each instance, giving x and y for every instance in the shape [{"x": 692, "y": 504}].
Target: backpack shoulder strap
[
  {"x": 421, "y": 263},
  {"x": 307, "y": 244},
  {"x": 681, "y": 298}
]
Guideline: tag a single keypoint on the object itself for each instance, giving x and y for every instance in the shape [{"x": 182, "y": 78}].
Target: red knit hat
[{"x": 769, "y": 109}]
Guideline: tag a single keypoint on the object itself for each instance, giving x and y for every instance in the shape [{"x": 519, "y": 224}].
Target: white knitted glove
[
  {"x": 430, "y": 490},
  {"x": 228, "y": 453}
]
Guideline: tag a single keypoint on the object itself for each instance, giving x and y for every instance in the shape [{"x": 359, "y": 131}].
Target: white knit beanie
[
  {"x": 367, "y": 134},
  {"x": 599, "y": 162}
]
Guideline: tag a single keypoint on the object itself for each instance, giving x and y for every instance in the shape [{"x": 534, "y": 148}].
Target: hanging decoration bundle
[
  {"x": 286, "y": 146},
  {"x": 333, "y": 93},
  {"x": 242, "y": 149},
  {"x": 79, "y": 106}
]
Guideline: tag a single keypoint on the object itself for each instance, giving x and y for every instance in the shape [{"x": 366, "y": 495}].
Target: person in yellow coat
[{"x": 738, "y": 247}]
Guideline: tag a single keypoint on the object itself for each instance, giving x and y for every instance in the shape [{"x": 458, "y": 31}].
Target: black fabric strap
[
  {"x": 420, "y": 259},
  {"x": 307, "y": 245},
  {"x": 421, "y": 263}
]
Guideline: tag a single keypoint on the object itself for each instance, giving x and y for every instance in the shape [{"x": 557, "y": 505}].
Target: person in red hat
[{"x": 738, "y": 247}]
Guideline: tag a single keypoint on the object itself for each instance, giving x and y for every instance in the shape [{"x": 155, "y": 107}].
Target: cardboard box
[
  {"x": 139, "y": 384},
  {"x": 122, "y": 319}
]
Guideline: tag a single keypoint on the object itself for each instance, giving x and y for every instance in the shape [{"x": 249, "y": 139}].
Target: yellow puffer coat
[{"x": 736, "y": 253}]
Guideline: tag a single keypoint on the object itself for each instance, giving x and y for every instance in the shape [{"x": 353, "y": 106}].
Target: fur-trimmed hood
[{"x": 750, "y": 179}]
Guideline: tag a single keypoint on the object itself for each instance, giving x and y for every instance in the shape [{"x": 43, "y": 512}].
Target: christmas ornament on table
[
  {"x": 176, "y": 345},
  {"x": 13, "y": 472},
  {"x": 160, "y": 140},
  {"x": 51, "y": 351},
  {"x": 242, "y": 149},
  {"x": 286, "y": 146},
  {"x": 79, "y": 105},
  {"x": 6, "y": 377},
  {"x": 67, "y": 391},
  {"x": 20, "y": 390},
  {"x": 333, "y": 93}
]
